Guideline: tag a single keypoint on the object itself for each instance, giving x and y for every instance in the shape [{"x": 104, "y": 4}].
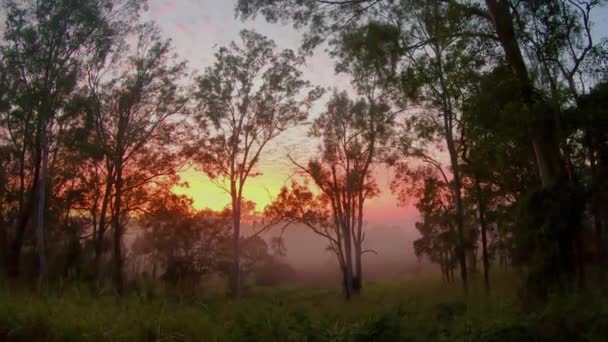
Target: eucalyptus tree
[
  {"x": 247, "y": 98},
  {"x": 44, "y": 44},
  {"x": 138, "y": 114},
  {"x": 298, "y": 204},
  {"x": 353, "y": 135},
  {"x": 323, "y": 18},
  {"x": 436, "y": 227},
  {"x": 561, "y": 42},
  {"x": 590, "y": 116},
  {"x": 423, "y": 55},
  {"x": 431, "y": 62},
  {"x": 508, "y": 28}
]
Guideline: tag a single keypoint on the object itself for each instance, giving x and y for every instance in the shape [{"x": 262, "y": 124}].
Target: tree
[
  {"x": 434, "y": 200},
  {"x": 137, "y": 114},
  {"x": 298, "y": 205},
  {"x": 430, "y": 61},
  {"x": 179, "y": 244},
  {"x": 498, "y": 168},
  {"x": 44, "y": 44},
  {"x": 508, "y": 25},
  {"x": 250, "y": 95},
  {"x": 440, "y": 70},
  {"x": 352, "y": 134},
  {"x": 590, "y": 116},
  {"x": 323, "y": 17}
]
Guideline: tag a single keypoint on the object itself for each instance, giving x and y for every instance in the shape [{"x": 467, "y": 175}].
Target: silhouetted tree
[
  {"x": 248, "y": 97},
  {"x": 137, "y": 115},
  {"x": 44, "y": 44}
]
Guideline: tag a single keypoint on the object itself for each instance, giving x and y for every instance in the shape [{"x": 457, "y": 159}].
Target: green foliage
[
  {"x": 250, "y": 95},
  {"x": 411, "y": 310},
  {"x": 546, "y": 236}
]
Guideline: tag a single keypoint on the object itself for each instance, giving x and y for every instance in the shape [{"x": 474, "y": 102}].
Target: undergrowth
[{"x": 422, "y": 309}]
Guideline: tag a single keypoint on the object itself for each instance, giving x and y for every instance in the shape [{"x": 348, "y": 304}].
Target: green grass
[{"x": 420, "y": 309}]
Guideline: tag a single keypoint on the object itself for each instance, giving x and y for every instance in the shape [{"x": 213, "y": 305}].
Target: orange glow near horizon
[{"x": 263, "y": 189}]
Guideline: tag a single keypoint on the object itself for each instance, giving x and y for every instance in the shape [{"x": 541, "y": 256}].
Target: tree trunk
[
  {"x": 99, "y": 238},
  {"x": 118, "y": 257},
  {"x": 444, "y": 265},
  {"x": 236, "y": 285},
  {"x": 580, "y": 262},
  {"x": 22, "y": 175},
  {"x": 456, "y": 187},
  {"x": 602, "y": 198},
  {"x": 347, "y": 282},
  {"x": 41, "y": 208},
  {"x": 596, "y": 208},
  {"x": 358, "y": 244},
  {"x": 542, "y": 131},
  {"x": 3, "y": 243},
  {"x": 484, "y": 239},
  {"x": 456, "y": 184},
  {"x": 557, "y": 190},
  {"x": 451, "y": 268},
  {"x": 348, "y": 272},
  {"x": 358, "y": 278},
  {"x": 14, "y": 251}
]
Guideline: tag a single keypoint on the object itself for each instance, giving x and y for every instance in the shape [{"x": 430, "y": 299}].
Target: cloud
[
  {"x": 168, "y": 6},
  {"x": 182, "y": 28}
]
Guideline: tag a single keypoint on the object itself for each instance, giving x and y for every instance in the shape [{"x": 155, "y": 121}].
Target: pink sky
[{"x": 196, "y": 28}]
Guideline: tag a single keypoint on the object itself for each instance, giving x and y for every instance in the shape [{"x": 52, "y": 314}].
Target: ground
[{"x": 416, "y": 309}]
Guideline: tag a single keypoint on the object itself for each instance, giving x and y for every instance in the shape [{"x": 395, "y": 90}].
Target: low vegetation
[{"x": 418, "y": 309}]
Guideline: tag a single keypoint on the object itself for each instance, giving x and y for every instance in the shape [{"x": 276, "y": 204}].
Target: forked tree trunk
[{"x": 99, "y": 238}]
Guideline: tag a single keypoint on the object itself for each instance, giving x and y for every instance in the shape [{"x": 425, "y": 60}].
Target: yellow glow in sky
[
  {"x": 263, "y": 190},
  {"x": 206, "y": 194}
]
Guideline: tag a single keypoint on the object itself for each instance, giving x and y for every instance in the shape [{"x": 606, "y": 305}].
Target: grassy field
[{"x": 419, "y": 309}]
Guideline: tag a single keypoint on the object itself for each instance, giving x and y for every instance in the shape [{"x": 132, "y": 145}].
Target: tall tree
[
  {"x": 497, "y": 21},
  {"x": 428, "y": 186},
  {"x": 44, "y": 44},
  {"x": 250, "y": 95},
  {"x": 138, "y": 113},
  {"x": 352, "y": 134}
]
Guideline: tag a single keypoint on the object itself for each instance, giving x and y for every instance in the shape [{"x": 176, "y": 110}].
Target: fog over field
[{"x": 393, "y": 255}]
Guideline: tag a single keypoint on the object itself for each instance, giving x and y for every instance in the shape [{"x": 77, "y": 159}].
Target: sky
[{"x": 197, "y": 28}]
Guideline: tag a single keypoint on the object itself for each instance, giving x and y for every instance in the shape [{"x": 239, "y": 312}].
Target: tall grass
[{"x": 420, "y": 309}]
